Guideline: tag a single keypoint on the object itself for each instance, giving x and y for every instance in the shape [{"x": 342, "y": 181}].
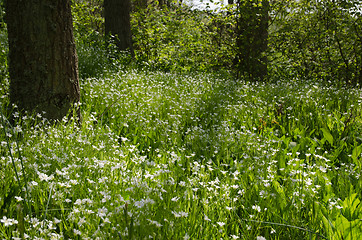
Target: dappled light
[{"x": 183, "y": 138}]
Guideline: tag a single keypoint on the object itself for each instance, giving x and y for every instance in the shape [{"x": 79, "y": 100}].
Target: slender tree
[
  {"x": 118, "y": 24},
  {"x": 161, "y": 3},
  {"x": 43, "y": 63},
  {"x": 252, "y": 38}
]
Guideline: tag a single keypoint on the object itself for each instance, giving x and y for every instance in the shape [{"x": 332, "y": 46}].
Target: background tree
[
  {"x": 161, "y": 3},
  {"x": 318, "y": 40},
  {"x": 42, "y": 57},
  {"x": 117, "y": 23},
  {"x": 252, "y": 39}
]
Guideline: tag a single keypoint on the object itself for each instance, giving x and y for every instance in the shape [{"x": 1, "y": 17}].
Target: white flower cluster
[{"x": 8, "y": 221}]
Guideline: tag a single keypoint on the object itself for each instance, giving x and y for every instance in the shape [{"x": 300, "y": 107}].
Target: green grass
[{"x": 172, "y": 156}]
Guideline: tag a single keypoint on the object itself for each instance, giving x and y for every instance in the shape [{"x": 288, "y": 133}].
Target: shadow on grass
[{"x": 203, "y": 137}]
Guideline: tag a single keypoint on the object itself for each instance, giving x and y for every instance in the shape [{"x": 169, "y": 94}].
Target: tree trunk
[
  {"x": 43, "y": 63},
  {"x": 161, "y": 3},
  {"x": 118, "y": 24},
  {"x": 252, "y": 40}
]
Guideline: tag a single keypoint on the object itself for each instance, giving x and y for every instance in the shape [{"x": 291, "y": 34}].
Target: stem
[
  {"x": 46, "y": 209},
  {"x": 9, "y": 148},
  {"x": 27, "y": 196},
  {"x": 286, "y": 225}
]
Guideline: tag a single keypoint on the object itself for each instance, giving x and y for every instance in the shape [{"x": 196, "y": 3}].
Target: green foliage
[
  {"x": 174, "y": 156},
  {"x": 191, "y": 155},
  {"x": 317, "y": 39},
  {"x": 96, "y": 54},
  {"x": 182, "y": 39},
  {"x": 4, "y": 74},
  {"x": 2, "y": 14},
  {"x": 344, "y": 223},
  {"x": 92, "y": 50},
  {"x": 171, "y": 38},
  {"x": 88, "y": 16}
]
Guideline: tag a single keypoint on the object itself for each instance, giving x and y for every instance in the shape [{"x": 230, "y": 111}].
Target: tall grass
[{"x": 195, "y": 156}]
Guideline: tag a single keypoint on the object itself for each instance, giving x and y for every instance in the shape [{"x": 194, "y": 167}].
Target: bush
[
  {"x": 319, "y": 40},
  {"x": 183, "y": 39}
]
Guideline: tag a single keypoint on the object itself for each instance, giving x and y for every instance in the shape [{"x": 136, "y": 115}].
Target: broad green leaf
[
  {"x": 327, "y": 135},
  {"x": 356, "y": 152},
  {"x": 351, "y": 207}
]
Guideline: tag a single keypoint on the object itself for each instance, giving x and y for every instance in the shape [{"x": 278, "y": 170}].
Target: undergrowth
[
  {"x": 185, "y": 155},
  {"x": 192, "y": 156}
]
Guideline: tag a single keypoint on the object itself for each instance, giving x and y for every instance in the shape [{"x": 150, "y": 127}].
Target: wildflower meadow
[
  {"x": 186, "y": 156},
  {"x": 180, "y": 137}
]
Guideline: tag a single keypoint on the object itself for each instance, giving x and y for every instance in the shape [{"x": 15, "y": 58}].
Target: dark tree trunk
[
  {"x": 161, "y": 3},
  {"x": 118, "y": 24},
  {"x": 43, "y": 63},
  {"x": 168, "y": 3},
  {"x": 252, "y": 40}
]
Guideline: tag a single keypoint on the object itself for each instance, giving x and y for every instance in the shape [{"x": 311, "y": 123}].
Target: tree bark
[
  {"x": 252, "y": 40},
  {"x": 161, "y": 3},
  {"x": 43, "y": 63},
  {"x": 118, "y": 24}
]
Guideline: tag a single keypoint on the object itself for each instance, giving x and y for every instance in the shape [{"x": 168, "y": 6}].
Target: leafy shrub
[
  {"x": 180, "y": 38},
  {"x": 92, "y": 55},
  {"x": 96, "y": 54},
  {"x": 171, "y": 38},
  {"x": 88, "y": 16},
  {"x": 318, "y": 39}
]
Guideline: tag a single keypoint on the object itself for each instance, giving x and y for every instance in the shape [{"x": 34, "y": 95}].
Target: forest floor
[{"x": 187, "y": 156}]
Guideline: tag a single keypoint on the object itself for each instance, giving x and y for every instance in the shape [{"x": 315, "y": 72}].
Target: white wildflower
[
  {"x": 260, "y": 238},
  {"x": 102, "y": 212},
  {"x": 221, "y": 224},
  {"x": 256, "y": 207},
  {"x": 77, "y": 232},
  {"x": 19, "y": 199},
  {"x": 206, "y": 218},
  {"x": 8, "y": 221}
]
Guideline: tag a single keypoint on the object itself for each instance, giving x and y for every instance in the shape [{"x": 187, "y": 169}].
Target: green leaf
[
  {"x": 351, "y": 207},
  {"x": 327, "y": 135},
  {"x": 356, "y": 152}
]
